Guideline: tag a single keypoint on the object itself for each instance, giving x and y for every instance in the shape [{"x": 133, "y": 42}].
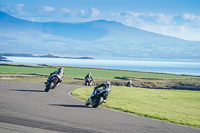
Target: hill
[{"x": 99, "y": 38}]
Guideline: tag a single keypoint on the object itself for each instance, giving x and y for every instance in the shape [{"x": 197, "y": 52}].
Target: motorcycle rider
[
  {"x": 130, "y": 83},
  {"x": 59, "y": 73},
  {"x": 88, "y": 78},
  {"x": 105, "y": 86}
]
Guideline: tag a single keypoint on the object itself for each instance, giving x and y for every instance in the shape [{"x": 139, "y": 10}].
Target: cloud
[
  {"x": 164, "y": 19},
  {"x": 20, "y": 7},
  {"x": 65, "y": 10},
  {"x": 183, "y": 32},
  {"x": 141, "y": 17},
  {"x": 82, "y": 12},
  {"x": 191, "y": 19},
  {"x": 13, "y": 9},
  {"x": 78, "y": 13},
  {"x": 188, "y": 16},
  {"x": 48, "y": 8},
  {"x": 86, "y": 14},
  {"x": 94, "y": 12},
  {"x": 186, "y": 26}
]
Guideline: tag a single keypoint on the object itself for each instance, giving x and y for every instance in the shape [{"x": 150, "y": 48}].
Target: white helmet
[{"x": 108, "y": 83}]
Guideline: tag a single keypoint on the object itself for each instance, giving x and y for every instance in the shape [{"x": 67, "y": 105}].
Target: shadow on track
[
  {"x": 73, "y": 106},
  {"x": 29, "y": 90}
]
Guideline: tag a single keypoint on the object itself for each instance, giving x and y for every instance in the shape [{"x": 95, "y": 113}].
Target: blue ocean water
[{"x": 188, "y": 67}]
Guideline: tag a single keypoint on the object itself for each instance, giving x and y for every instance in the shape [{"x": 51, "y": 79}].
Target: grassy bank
[
  {"x": 176, "y": 106},
  {"x": 75, "y": 75}
]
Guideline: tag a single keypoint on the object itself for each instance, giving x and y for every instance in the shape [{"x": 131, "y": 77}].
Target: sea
[{"x": 182, "y": 67}]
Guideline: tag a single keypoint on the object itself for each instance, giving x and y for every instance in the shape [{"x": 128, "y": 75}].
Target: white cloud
[
  {"x": 160, "y": 23},
  {"x": 191, "y": 20},
  {"x": 20, "y": 6},
  {"x": 185, "y": 26},
  {"x": 48, "y": 8},
  {"x": 91, "y": 13},
  {"x": 151, "y": 14},
  {"x": 188, "y": 16},
  {"x": 164, "y": 19},
  {"x": 83, "y": 12},
  {"x": 94, "y": 12},
  {"x": 183, "y": 32},
  {"x": 66, "y": 10},
  {"x": 14, "y": 9},
  {"x": 136, "y": 14},
  {"x": 78, "y": 13}
]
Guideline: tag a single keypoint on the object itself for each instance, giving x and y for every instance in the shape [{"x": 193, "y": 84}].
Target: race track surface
[{"x": 26, "y": 108}]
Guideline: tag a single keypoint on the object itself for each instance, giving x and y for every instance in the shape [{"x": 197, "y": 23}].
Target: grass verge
[
  {"x": 75, "y": 75},
  {"x": 176, "y": 106}
]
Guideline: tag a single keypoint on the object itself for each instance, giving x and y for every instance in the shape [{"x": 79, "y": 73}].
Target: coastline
[
  {"x": 43, "y": 56},
  {"x": 158, "y": 66},
  {"x": 4, "y": 59}
]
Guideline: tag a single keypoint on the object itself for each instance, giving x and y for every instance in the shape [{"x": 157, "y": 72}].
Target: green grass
[
  {"x": 176, "y": 106},
  {"x": 25, "y": 70},
  {"x": 81, "y": 72}
]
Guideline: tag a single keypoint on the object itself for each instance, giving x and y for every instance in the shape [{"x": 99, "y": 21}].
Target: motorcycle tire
[
  {"x": 87, "y": 103},
  {"x": 96, "y": 102},
  {"x": 49, "y": 86}
]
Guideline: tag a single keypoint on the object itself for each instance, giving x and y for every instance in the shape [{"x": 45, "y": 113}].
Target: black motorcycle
[
  {"x": 51, "y": 84},
  {"x": 88, "y": 82},
  {"x": 97, "y": 98}
]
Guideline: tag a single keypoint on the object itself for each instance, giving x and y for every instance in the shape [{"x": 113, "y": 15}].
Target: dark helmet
[{"x": 60, "y": 70}]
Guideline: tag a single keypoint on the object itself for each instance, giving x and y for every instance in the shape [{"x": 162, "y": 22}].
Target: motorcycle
[
  {"x": 129, "y": 85},
  {"x": 97, "y": 98},
  {"x": 51, "y": 84},
  {"x": 88, "y": 82}
]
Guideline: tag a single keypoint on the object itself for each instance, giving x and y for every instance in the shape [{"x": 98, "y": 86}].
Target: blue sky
[{"x": 178, "y": 18}]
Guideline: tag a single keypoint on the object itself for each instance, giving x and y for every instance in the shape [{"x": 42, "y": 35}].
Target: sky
[{"x": 177, "y": 18}]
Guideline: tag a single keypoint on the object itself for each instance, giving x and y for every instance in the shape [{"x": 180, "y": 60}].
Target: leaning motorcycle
[
  {"x": 88, "y": 82},
  {"x": 51, "y": 84},
  {"x": 97, "y": 98}
]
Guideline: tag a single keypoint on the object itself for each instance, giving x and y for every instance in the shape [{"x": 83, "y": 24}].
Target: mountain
[{"x": 99, "y": 38}]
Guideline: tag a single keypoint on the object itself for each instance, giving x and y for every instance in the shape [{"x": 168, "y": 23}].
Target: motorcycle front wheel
[
  {"x": 96, "y": 102},
  {"x": 49, "y": 86},
  {"x": 87, "y": 103}
]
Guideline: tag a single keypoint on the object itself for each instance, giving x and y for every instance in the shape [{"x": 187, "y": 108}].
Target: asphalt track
[{"x": 26, "y": 108}]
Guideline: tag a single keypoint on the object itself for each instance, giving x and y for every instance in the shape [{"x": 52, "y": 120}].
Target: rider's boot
[{"x": 104, "y": 100}]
